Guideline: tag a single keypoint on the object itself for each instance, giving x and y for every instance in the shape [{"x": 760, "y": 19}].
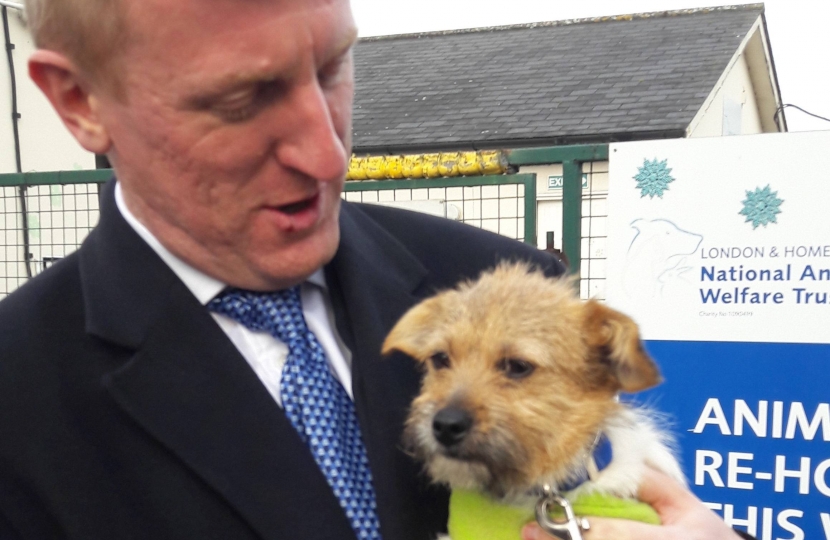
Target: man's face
[{"x": 233, "y": 137}]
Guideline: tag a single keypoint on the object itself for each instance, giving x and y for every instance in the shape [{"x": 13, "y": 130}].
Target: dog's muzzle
[{"x": 451, "y": 425}]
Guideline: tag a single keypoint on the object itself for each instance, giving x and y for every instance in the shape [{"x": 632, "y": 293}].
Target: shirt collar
[{"x": 203, "y": 287}]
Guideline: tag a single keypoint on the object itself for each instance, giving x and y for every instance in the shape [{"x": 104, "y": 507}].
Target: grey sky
[{"x": 798, "y": 33}]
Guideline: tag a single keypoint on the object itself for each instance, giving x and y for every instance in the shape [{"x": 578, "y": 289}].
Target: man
[{"x": 130, "y": 407}]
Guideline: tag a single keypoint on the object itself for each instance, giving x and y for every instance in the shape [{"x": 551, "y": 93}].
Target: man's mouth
[
  {"x": 296, "y": 207},
  {"x": 297, "y": 216}
]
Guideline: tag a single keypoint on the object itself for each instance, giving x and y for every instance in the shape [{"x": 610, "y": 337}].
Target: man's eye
[
  {"x": 331, "y": 72},
  {"x": 515, "y": 368},
  {"x": 440, "y": 360},
  {"x": 237, "y": 115},
  {"x": 235, "y": 105},
  {"x": 245, "y": 104}
]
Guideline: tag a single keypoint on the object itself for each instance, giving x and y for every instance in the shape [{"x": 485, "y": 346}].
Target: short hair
[{"x": 89, "y": 32}]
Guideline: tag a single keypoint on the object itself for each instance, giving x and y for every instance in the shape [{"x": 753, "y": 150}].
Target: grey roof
[{"x": 605, "y": 79}]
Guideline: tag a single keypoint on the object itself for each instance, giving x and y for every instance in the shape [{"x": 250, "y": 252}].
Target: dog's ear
[
  {"x": 411, "y": 332},
  {"x": 615, "y": 340}
]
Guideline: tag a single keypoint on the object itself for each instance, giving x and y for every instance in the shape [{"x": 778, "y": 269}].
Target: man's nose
[{"x": 309, "y": 141}]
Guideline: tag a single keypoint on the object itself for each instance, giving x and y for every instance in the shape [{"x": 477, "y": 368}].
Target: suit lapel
[
  {"x": 208, "y": 407},
  {"x": 189, "y": 388},
  {"x": 374, "y": 281}
]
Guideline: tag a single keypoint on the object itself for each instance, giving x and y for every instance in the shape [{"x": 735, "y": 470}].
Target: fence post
[
  {"x": 572, "y": 213},
  {"x": 530, "y": 211}
]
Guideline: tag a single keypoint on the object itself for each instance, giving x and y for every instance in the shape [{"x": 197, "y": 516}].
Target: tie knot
[{"x": 279, "y": 312}]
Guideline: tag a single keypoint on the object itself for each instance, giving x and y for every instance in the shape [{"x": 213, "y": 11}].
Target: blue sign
[{"x": 753, "y": 426}]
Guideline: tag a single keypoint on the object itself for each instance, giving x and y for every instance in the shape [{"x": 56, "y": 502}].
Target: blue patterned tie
[{"x": 314, "y": 401}]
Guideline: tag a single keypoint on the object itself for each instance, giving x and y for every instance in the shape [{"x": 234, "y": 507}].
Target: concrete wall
[{"x": 45, "y": 143}]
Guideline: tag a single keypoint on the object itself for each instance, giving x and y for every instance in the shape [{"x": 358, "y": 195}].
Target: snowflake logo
[
  {"x": 761, "y": 206},
  {"x": 653, "y": 178}
]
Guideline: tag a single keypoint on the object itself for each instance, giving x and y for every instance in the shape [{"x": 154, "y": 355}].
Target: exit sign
[{"x": 556, "y": 182}]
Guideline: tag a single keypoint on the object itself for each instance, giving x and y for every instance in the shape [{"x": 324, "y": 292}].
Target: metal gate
[
  {"x": 46, "y": 216},
  {"x": 43, "y": 218},
  {"x": 504, "y": 204}
]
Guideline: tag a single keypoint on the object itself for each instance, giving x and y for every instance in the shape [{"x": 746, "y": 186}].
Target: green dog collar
[{"x": 476, "y": 517}]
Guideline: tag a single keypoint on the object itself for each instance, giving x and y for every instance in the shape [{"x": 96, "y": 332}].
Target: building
[
  {"x": 693, "y": 73},
  {"x": 674, "y": 74},
  {"x": 513, "y": 99}
]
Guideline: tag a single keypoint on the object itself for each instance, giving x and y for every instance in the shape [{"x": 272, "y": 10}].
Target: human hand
[{"x": 684, "y": 517}]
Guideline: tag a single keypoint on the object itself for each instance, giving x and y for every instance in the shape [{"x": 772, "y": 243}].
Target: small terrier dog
[{"x": 520, "y": 386}]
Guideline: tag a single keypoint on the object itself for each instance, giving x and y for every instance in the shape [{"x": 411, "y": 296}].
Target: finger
[
  {"x": 532, "y": 531},
  {"x": 622, "y": 529},
  {"x": 604, "y": 529},
  {"x": 664, "y": 493}
]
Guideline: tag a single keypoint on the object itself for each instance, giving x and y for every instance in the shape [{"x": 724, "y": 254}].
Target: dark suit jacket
[{"x": 125, "y": 412}]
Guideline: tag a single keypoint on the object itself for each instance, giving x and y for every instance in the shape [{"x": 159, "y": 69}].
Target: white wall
[
  {"x": 734, "y": 90},
  {"x": 594, "y": 217},
  {"x": 496, "y": 208},
  {"x": 59, "y": 217},
  {"x": 46, "y": 145}
]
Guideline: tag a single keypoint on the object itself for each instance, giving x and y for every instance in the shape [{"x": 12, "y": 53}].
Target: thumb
[
  {"x": 532, "y": 531},
  {"x": 665, "y": 495}
]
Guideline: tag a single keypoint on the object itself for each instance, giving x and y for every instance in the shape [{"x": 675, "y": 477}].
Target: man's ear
[
  {"x": 411, "y": 332},
  {"x": 615, "y": 340},
  {"x": 60, "y": 80}
]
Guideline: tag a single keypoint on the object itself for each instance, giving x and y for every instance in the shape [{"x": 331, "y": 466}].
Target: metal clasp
[{"x": 571, "y": 528}]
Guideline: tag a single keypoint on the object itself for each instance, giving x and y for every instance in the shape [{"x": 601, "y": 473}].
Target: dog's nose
[{"x": 451, "y": 424}]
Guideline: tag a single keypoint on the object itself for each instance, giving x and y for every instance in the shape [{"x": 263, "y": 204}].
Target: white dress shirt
[{"x": 265, "y": 354}]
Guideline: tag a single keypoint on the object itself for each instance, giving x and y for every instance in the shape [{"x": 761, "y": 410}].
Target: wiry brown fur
[{"x": 526, "y": 430}]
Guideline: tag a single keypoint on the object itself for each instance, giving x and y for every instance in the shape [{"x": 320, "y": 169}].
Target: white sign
[
  {"x": 722, "y": 239},
  {"x": 557, "y": 182}
]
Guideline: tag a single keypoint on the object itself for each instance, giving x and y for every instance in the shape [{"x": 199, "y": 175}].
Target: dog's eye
[
  {"x": 440, "y": 360},
  {"x": 516, "y": 368}
]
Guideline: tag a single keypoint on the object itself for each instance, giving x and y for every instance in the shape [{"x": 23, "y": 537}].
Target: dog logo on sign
[{"x": 657, "y": 256}]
